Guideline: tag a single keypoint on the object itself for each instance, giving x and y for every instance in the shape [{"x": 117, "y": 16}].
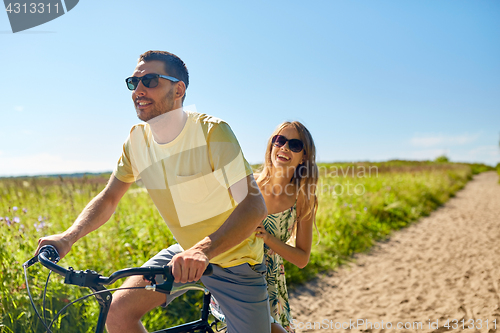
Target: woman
[{"x": 288, "y": 183}]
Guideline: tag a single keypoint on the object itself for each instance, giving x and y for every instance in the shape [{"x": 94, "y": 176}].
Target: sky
[{"x": 372, "y": 80}]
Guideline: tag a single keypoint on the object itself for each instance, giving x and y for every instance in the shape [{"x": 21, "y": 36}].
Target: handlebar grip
[
  {"x": 49, "y": 252},
  {"x": 167, "y": 285},
  {"x": 209, "y": 270}
]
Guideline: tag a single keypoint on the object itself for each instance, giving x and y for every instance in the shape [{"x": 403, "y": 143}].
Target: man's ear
[{"x": 180, "y": 89}]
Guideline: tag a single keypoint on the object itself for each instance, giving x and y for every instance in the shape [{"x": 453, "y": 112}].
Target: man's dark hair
[{"x": 174, "y": 66}]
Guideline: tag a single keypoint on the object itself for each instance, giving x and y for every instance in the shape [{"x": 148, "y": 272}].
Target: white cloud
[
  {"x": 491, "y": 151},
  {"x": 19, "y": 108},
  {"x": 44, "y": 163},
  {"x": 433, "y": 140}
]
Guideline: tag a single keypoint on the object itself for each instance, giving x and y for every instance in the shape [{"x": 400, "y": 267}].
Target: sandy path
[{"x": 446, "y": 266}]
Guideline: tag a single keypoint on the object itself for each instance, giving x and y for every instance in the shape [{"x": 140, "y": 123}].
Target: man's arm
[
  {"x": 251, "y": 210},
  {"x": 96, "y": 213}
]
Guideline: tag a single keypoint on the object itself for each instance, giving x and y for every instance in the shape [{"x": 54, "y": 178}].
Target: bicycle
[{"x": 48, "y": 257}]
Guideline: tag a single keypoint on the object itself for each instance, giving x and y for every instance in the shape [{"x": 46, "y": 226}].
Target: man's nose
[{"x": 140, "y": 89}]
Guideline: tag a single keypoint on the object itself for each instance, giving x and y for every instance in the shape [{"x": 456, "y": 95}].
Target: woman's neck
[
  {"x": 280, "y": 184},
  {"x": 281, "y": 176}
]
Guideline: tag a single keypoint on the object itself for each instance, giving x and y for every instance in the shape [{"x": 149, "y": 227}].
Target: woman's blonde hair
[{"x": 305, "y": 176}]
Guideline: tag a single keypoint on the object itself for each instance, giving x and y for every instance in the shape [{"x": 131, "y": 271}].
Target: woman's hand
[{"x": 261, "y": 232}]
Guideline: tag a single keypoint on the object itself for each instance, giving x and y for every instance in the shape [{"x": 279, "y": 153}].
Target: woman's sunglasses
[
  {"x": 295, "y": 145},
  {"x": 148, "y": 80}
]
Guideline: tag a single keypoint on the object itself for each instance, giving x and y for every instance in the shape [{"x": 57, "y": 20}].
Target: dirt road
[{"x": 443, "y": 267}]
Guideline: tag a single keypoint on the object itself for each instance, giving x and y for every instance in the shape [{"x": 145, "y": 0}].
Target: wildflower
[
  {"x": 25, "y": 210},
  {"x": 16, "y": 219},
  {"x": 8, "y": 221},
  {"x": 39, "y": 226},
  {"x": 21, "y": 228},
  {"x": 40, "y": 218},
  {"x": 345, "y": 204},
  {"x": 14, "y": 208},
  {"x": 1, "y": 218},
  {"x": 365, "y": 209}
]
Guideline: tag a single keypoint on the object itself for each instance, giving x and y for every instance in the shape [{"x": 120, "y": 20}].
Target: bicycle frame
[{"x": 96, "y": 282}]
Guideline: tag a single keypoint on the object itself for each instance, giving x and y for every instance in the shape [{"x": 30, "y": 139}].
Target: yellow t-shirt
[{"x": 189, "y": 179}]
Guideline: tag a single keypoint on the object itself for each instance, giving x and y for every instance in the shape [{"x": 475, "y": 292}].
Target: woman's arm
[{"x": 298, "y": 255}]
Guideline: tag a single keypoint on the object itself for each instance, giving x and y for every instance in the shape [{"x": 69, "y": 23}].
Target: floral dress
[{"x": 280, "y": 225}]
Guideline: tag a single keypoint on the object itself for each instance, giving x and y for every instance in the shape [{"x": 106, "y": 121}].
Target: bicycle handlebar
[{"x": 48, "y": 256}]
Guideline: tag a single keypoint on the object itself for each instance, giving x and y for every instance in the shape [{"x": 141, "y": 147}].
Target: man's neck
[{"x": 168, "y": 126}]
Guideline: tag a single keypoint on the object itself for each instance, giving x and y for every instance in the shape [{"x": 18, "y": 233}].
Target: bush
[
  {"x": 498, "y": 171},
  {"x": 478, "y": 168},
  {"x": 442, "y": 159}
]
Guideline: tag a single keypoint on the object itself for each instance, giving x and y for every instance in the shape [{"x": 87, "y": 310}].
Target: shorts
[{"x": 241, "y": 292}]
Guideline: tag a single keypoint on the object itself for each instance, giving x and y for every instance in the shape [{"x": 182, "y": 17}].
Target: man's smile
[{"x": 142, "y": 104}]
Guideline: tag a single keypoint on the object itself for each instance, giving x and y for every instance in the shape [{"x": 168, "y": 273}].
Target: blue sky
[{"x": 372, "y": 80}]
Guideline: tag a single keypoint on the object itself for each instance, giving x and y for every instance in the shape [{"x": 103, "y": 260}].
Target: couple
[{"x": 195, "y": 172}]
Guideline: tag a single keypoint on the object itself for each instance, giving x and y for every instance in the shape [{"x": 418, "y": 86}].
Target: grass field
[
  {"x": 358, "y": 205},
  {"x": 498, "y": 171}
]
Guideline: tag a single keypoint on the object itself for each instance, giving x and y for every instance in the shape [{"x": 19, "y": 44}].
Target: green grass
[
  {"x": 498, "y": 171},
  {"x": 395, "y": 194}
]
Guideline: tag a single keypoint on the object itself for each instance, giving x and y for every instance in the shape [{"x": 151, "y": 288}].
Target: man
[{"x": 193, "y": 169}]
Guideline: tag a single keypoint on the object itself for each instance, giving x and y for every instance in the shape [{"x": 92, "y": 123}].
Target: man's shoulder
[
  {"x": 204, "y": 119},
  {"x": 209, "y": 124},
  {"x": 138, "y": 127},
  {"x": 137, "y": 132}
]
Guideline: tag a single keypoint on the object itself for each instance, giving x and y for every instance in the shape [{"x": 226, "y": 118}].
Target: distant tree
[{"x": 442, "y": 159}]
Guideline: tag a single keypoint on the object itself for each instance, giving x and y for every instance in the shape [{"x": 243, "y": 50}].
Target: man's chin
[{"x": 144, "y": 116}]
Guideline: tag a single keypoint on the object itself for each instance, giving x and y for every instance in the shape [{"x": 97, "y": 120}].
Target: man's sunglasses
[
  {"x": 148, "y": 80},
  {"x": 295, "y": 145}
]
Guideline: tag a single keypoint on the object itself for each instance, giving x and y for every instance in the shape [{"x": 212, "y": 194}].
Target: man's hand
[
  {"x": 188, "y": 266},
  {"x": 59, "y": 241}
]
